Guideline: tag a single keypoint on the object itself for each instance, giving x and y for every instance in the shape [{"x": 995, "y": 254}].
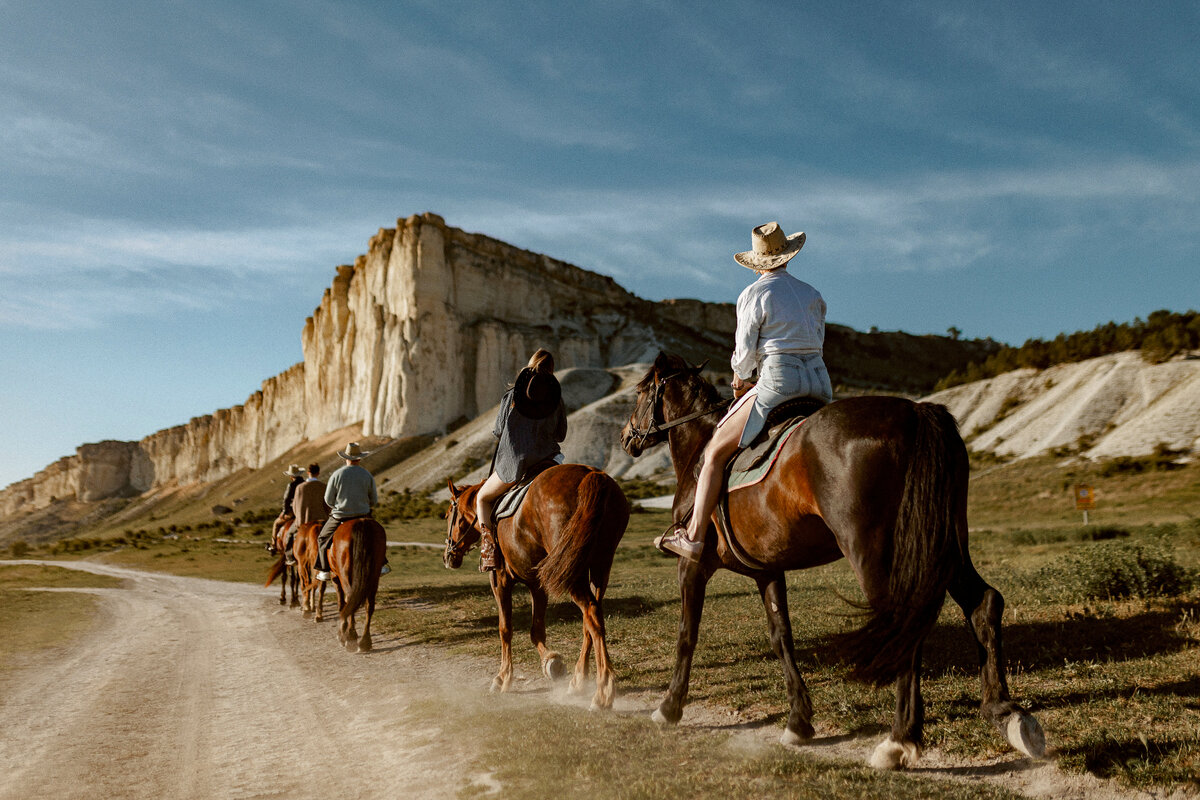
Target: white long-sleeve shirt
[{"x": 776, "y": 314}]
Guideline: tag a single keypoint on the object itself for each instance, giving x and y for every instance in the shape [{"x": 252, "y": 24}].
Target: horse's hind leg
[
  {"x": 773, "y": 591},
  {"x": 295, "y": 585},
  {"x": 983, "y": 607},
  {"x": 364, "y": 642},
  {"x": 580, "y": 676},
  {"x": 552, "y": 665},
  {"x": 902, "y": 747},
  {"x": 693, "y": 583},
  {"x": 593, "y": 622}
]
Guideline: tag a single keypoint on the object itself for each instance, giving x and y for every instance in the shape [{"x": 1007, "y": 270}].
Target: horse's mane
[{"x": 697, "y": 391}]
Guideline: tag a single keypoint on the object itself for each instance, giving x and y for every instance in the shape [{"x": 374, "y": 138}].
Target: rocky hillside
[
  {"x": 419, "y": 337},
  {"x": 1115, "y": 405}
]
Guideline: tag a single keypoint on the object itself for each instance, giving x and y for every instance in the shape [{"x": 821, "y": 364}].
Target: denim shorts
[{"x": 781, "y": 377}]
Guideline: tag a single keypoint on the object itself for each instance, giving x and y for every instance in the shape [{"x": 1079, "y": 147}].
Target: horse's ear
[
  {"x": 696, "y": 370},
  {"x": 454, "y": 490}
]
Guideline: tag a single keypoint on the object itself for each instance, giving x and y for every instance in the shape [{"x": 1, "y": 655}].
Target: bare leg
[
  {"x": 717, "y": 453},
  {"x": 486, "y": 497}
]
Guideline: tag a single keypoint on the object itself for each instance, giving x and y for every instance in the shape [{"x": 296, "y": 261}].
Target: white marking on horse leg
[
  {"x": 1025, "y": 734},
  {"x": 791, "y": 739},
  {"x": 891, "y": 754},
  {"x": 658, "y": 717}
]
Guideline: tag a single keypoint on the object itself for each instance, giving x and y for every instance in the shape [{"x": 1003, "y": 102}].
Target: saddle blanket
[
  {"x": 510, "y": 501},
  {"x": 754, "y": 463}
]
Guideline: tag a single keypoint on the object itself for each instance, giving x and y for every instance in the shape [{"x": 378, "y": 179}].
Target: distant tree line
[{"x": 1162, "y": 335}]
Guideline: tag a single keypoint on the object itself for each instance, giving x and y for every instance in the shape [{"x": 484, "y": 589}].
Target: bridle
[
  {"x": 456, "y": 548},
  {"x": 656, "y": 427}
]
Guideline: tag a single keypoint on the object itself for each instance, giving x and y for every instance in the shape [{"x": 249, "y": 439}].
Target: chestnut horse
[
  {"x": 356, "y": 556},
  {"x": 560, "y": 542},
  {"x": 879, "y": 480},
  {"x": 290, "y": 576},
  {"x": 304, "y": 551}
]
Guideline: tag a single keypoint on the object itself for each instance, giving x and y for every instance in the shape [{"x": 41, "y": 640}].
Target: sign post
[{"x": 1085, "y": 499}]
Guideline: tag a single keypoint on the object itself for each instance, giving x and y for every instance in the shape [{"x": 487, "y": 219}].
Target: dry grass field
[{"x": 1102, "y": 632}]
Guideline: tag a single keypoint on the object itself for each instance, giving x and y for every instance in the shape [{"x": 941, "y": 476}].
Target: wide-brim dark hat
[{"x": 536, "y": 394}]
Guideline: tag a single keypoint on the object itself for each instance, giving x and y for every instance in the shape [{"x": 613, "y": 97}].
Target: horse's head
[
  {"x": 671, "y": 388},
  {"x": 461, "y": 533}
]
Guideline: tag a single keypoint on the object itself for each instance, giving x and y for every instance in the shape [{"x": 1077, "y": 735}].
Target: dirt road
[
  {"x": 197, "y": 689},
  {"x": 189, "y": 688}
]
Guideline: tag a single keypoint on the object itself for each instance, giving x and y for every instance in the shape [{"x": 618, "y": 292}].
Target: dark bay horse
[
  {"x": 560, "y": 542},
  {"x": 881, "y": 481},
  {"x": 356, "y": 556}
]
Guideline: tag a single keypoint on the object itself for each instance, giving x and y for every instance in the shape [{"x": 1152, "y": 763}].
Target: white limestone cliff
[{"x": 422, "y": 332}]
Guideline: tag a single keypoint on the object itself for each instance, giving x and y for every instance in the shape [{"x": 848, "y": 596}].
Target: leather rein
[{"x": 657, "y": 427}]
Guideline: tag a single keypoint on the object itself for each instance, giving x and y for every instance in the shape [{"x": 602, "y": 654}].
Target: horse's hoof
[
  {"x": 792, "y": 739},
  {"x": 554, "y": 669},
  {"x": 351, "y": 646},
  {"x": 365, "y": 645},
  {"x": 576, "y": 685},
  {"x": 1025, "y": 734},
  {"x": 661, "y": 718},
  {"x": 891, "y": 754},
  {"x": 497, "y": 685}
]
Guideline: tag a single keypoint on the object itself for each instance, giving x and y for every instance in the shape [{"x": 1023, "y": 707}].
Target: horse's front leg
[
  {"x": 552, "y": 665},
  {"x": 693, "y": 582},
  {"x": 902, "y": 747},
  {"x": 295, "y": 579},
  {"x": 773, "y": 590},
  {"x": 502, "y": 590}
]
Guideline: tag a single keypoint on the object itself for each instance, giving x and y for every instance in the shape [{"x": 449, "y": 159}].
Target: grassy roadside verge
[
  {"x": 33, "y": 621},
  {"x": 1113, "y": 680}
]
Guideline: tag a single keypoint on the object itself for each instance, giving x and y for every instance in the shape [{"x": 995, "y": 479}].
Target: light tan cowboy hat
[
  {"x": 354, "y": 452},
  {"x": 771, "y": 248},
  {"x": 294, "y": 471}
]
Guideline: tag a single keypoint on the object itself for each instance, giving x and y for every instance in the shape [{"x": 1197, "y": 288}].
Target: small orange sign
[{"x": 1085, "y": 497}]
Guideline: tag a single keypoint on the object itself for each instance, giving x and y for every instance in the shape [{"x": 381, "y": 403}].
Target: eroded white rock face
[
  {"x": 425, "y": 330},
  {"x": 1113, "y": 405}
]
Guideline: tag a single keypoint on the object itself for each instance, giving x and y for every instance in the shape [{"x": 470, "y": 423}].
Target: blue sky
[{"x": 178, "y": 181}]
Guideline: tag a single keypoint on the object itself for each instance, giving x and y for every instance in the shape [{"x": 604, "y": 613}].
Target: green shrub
[
  {"x": 641, "y": 489},
  {"x": 19, "y": 548},
  {"x": 408, "y": 505},
  {"x": 1113, "y": 571}
]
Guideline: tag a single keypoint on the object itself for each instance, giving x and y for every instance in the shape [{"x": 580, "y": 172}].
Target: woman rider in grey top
[
  {"x": 781, "y": 332},
  {"x": 531, "y": 422}
]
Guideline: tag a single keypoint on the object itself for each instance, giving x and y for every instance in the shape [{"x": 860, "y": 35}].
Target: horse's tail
[
  {"x": 927, "y": 550},
  {"x": 364, "y": 572},
  {"x": 569, "y": 567},
  {"x": 276, "y": 570}
]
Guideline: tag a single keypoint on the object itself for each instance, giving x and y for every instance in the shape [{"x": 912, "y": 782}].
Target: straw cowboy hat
[
  {"x": 771, "y": 248},
  {"x": 536, "y": 394},
  {"x": 294, "y": 471},
  {"x": 353, "y": 452}
]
